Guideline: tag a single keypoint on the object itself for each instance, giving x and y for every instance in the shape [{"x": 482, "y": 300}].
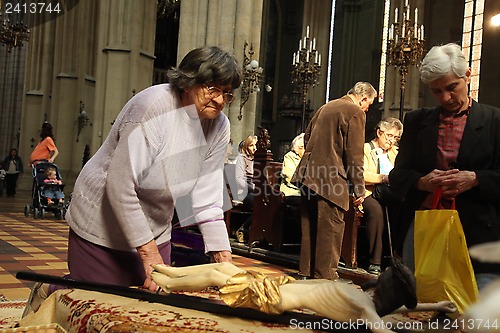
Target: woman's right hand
[{"x": 150, "y": 255}]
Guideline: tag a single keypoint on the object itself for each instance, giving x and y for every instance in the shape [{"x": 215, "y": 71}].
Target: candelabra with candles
[
  {"x": 12, "y": 34},
  {"x": 405, "y": 46},
  {"x": 306, "y": 69}
]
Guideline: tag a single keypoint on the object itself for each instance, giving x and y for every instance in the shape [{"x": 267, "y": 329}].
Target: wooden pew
[
  {"x": 268, "y": 222},
  {"x": 268, "y": 209}
]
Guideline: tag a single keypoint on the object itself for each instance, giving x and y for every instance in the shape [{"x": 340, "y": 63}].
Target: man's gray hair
[
  {"x": 443, "y": 60},
  {"x": 363, "y": 89}
]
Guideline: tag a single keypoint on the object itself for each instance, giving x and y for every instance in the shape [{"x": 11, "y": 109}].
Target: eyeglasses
[
  {"x": 215, "y": 92},
  {"x": 391, "y": 137}
]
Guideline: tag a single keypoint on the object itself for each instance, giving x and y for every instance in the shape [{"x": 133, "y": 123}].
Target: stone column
[{"x": 228, "y": 24}]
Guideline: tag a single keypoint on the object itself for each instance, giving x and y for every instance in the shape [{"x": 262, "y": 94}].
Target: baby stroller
[{"x": 40, "y": 206}]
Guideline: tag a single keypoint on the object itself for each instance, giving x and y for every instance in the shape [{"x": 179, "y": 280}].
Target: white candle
[
  {"x": 319, "y": 60},
  {"x": 406, "y": 3},
  {"x": 300, "y": 43},
  {"x": 416, "y": 15},
  {"x": 391, "y": 32},
  {"x": 408, "y": 12},
  {"x": 305, "y": 42},
  {"x": 316, "y": 58},
  {"x": 307, "y": 32},
  {"x": 403, "y": 31},
  {"x": 307, "y": 56},
  {"x": 422, "y": 34},
  {"x": 310, "y": 46},
  {"x": 314, "y": 43},
  {"x": 396, "y": 15}
]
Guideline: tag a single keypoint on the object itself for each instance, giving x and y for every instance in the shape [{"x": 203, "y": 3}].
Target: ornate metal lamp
[
  {"x": 12, "y": 34},
  {"x": 306, "y": 68},
  {"x": 405, "y": 46},
  {"x": 83, "y": 120},
  {"x": 252, "y": 74}
]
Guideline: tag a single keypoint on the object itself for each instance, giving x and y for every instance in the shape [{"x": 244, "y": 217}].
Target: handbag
[
  {"x": 384, "y": 194},
  {"x": 443, "y": 268}
]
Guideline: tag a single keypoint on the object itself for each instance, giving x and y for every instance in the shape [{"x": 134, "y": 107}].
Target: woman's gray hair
[
  {"x": 443, "y": 60},
  {"x": 388, "y": 124},
  {"x": 296, "y": 141},
  {"x": 208, "y": 65},
  {"x": 363, "y": 89}
]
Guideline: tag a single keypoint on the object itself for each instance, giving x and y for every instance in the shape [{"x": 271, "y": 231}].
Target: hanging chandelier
[{"x": 13, "y": 33}]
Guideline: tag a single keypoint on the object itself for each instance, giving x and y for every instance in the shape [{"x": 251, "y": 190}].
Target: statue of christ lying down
[{"x": 395, "y": 291}]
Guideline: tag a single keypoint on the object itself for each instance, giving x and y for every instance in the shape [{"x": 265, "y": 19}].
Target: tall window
[
  {"x": 472, "y": 40},
  {"x": 383, "y": 58}
]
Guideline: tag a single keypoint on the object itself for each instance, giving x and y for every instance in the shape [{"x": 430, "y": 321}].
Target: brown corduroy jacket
[{"x": 334, "y": 152}]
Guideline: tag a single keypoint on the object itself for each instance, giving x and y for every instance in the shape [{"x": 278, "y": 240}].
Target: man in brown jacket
[{"x": 332, "y": 163}]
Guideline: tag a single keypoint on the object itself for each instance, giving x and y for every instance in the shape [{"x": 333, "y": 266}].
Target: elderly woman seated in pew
[
  {"x": 290, "y": 162},
  {"x": 244, "y": 181}
]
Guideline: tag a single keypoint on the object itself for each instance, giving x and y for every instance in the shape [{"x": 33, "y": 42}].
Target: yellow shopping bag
[{"x": 443, "y": 269}]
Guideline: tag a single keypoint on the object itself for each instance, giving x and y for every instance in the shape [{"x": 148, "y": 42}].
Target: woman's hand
[
  {"x": 434, "y": 179},
  {"x": 459, "y": 182},
  {"x": 150, "y": 255},
  {"x": 221, "y": 256}
]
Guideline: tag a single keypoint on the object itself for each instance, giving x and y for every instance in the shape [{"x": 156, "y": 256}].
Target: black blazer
[{"x": 478, "y": 208}]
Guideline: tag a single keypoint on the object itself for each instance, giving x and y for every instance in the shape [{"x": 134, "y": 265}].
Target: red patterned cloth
[{"x": 85, "y": 311}]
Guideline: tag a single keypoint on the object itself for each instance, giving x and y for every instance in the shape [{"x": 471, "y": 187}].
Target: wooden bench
[
  {"x": 269, "y": 202},
  {"x": 268, "y": 222}
]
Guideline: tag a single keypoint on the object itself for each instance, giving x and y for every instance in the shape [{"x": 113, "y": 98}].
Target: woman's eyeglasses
[
  {"x": 215, "y": 92},
  {"x": 391, "y": 137}
]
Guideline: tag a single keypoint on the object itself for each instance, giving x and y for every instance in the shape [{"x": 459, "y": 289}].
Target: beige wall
[{"x": 100, "y": 53}]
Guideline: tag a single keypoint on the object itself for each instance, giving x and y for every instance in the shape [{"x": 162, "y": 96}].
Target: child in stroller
[
  {"x": 51, "y": 187},
  {"x": 47, "y": 192}
]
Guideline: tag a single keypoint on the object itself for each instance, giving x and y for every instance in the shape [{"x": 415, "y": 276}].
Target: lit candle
[
  {"x": 396, "y": 15},
  {"x": 416, "y": 15},
  {"x": 307, "y": 32}
]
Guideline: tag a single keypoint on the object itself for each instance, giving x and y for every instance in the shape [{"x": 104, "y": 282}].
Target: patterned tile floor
[{"x": 40, "y": 246}]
